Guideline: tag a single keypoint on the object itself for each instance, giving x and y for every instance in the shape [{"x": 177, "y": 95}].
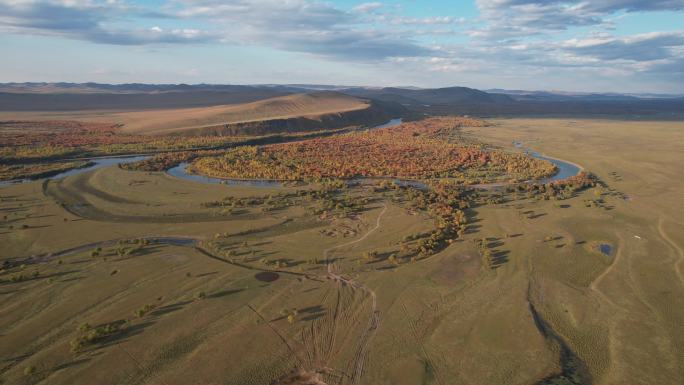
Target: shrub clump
[
  {"x": 144, "y": 310},
  {"x": 29, "y": 370},
  {"x": 93, "y": 336}
]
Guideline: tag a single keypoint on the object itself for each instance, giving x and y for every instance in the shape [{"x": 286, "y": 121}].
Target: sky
[{"x": 568, "y": 45}]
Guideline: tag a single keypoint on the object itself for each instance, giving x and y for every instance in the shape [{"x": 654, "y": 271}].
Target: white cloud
[
  {"x": 437, "y": 20},
  {"x": 514, "y": 38},
  {"x": 88, "y": 20},
  {"x": 368, "y": 7},
  {"x": 519, "y": 18},
  {"x": 640, "y": 48}
]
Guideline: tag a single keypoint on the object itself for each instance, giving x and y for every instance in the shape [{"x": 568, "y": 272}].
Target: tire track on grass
[
  {"x": 374, "y": 320},
  {"x": 674, "y": 246},
  {"x": 413, "y": 327},
  {"x": 594, "y": 284}
]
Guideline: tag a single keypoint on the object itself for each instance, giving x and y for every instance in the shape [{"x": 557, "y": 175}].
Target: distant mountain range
[
  {"x": 38, "y": 96},
  {"x": 428, "y": 95},
  {"x": 39, "y": 87},
  {"x": 409, "y": 97},
  {"x": 561, "y": 95}
]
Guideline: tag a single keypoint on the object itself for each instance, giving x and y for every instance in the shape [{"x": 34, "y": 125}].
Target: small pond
[
  {"x": 606, "y": 249},
  {"x": 267, "y": 276}
]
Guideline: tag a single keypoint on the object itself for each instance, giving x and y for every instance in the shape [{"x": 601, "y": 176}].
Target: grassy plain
[
  {"x": 631, "y": 310},
  {"x": 544, "y": 306}
]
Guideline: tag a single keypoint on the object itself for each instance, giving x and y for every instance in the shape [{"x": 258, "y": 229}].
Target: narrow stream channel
[{"x": 573, "y": 370}]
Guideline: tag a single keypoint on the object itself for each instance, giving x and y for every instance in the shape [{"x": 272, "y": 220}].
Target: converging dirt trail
[
  {"x": 371, "y": 231},
  {"x": 675, "y": 246},
  {"x": 336, "y": 276},
  {"x": 374, "y": 320},
  {"x": 594, "y": 285}
]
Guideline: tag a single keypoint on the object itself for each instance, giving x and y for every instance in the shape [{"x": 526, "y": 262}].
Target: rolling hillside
[
  {"x": 177, "y": 121},
  {"x": 289, "y": 113}
]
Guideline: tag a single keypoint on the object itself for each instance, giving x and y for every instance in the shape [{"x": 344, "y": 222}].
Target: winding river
[
  {"x": 95, "y": 163},
  {"x": 181, "y": 172},
  {"x": 565, "y": 169}
]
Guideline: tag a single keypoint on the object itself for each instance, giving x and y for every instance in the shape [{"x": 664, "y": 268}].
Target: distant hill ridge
[
  {"x": 61, "y": 87},
  {"x": 417, "y": 102},
  {"x": 315, "y": 106},
  {"x": 317, "y": 110},
  {"x": 445, "y": 95}
]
